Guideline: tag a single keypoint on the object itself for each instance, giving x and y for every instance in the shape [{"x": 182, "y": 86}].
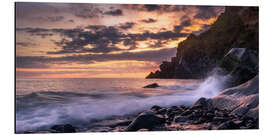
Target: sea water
[{"x": 42, "y": 103}]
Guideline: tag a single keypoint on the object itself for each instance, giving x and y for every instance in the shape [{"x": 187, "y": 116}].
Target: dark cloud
[
  {"x": 32, "y": 62},
  {"x": 84, "y": 11},
  {"x": 50, "y": 18},
  {"x": 24, "y": 10},
  {"x": 155, "y": 8},
  {"x": 179, "y": 28},
  {"x": 25, "y": 44},
  {"x": 151, "y": 7},
  {"x": 149, "y": 20},
  {"x": 127, "y": 25},
  {"x": 42, "y": 32},
  {"x": 116, "y": 12},
  {"x": 55, "y": 18},
  {"x": 205, "y": 12},
  {"x": 102, "y": 39},
  {"x": 44, "y": 62}
]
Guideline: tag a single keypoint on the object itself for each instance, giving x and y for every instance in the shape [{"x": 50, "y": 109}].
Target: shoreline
[
  {"x": 199, "y": 116},
  {"x": 233, "y": 108}
]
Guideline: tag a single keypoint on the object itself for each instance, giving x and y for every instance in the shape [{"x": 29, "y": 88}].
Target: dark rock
[
  {"x": 156, "y": 108},
  {"x": 100, "y": 129},
  {"x": 203, "y": 103},
  {"x": 181, "y": 119},
  {"x": 187, "y": 112},
  {"x": 153, "y": 85},
  {"x": 162, "y": 111},
  {"x": 220, "y": 119},
  {"x": 123, "y": 123},
  {"x": 241, "y": 64},
  {"x": 228, "y": 125},
  {"x": 67, "y": 128},
  {"x": 146, "y": 120},
  {"x": 219, "y": 113}
]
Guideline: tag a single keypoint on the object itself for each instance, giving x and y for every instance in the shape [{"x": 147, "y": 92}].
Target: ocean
[{"x": 42, "y": 103}]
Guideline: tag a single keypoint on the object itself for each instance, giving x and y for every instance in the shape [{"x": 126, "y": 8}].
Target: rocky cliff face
[{"x": 237, "y": 27}]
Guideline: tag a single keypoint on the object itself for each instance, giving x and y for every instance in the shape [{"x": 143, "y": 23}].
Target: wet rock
[
  {"x": 67, "y": 128},
  {"x": 156, "y": 108},
  {"x": 146, "y": 120},
  {"x": 187, "y": 112},
  {"x": 153, "y": 85},
  {"x": 241, "y": 64},
  {"x": 240, "y": 100},
  {"x": 181, "y": 119},
  {"x": 220, "y": 119},
  {"x": 100, "y": 129},
  {"x": 203, "y": 103},
  {"x": 143, "y": 129},
  {"x": 228, "y": 125},
  {"x": 162, "y": 111}
]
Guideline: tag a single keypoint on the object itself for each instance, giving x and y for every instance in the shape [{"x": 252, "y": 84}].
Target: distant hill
[{"x": 196, "y": 56}]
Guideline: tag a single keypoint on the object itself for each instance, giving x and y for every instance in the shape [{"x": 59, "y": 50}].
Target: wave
[{"x": 180, "y": 87}]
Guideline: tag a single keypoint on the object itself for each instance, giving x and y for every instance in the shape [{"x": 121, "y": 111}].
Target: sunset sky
[{"x": 60, "y": 40}]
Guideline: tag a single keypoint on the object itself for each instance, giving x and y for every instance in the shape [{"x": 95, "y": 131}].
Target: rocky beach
[
  {"x": 234, "y": 108},
  {"x": 230, "y": 45}
]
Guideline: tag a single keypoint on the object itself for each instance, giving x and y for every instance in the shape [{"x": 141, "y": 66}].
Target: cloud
[
  {"x": 50, "y": 18},
  {"x": 127, "y": 25},
  {"x": 205, "y": 12},
  {"x": 85, "y": 11},
  {"x": 55, "y": 18},
  {"x": 42, "y": 32},
  {"x": 151, "y": 7},
  {"x": 99, "y": 38},
  {"x": 179, "y": 28},
  {"x": 25, "y": 10},
  {"x": 25, "y": 44},
  {"x": 116, "y": 12},
  {"x": 149, "y": 20},
  {"x": 155, "y": 8},
  {"x": 32, "y": 62},
  {"x": 44, "y": 62}
]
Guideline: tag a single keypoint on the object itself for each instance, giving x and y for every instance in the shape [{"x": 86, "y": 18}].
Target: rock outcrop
[
  {"x": 153, "y": 85},
  {"x": 146, "y": 120},
  {"x": 241, "y": 100},
  {"x": 241, "y": 64},
  {"x": 237, "y": 27}
]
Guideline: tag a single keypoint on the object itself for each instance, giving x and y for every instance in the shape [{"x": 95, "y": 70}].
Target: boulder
[
  {"x": 181, "y": 119},
  {"x": 67, "y": 128},
  {"x": 146, "y": 120},
  {"x": 153, "y": 85},
  {"x": 156, "y": 108},
  {"x": 203, "y": 103}
]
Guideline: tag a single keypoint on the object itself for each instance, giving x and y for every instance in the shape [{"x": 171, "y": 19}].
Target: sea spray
[{"x": 212, "y": 85}]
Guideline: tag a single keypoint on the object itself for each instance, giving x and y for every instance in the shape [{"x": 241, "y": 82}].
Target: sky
[{"x": 86, "y": 40}]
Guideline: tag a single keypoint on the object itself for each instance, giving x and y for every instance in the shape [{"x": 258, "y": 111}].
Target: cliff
[{"x": 196, "y": 56}]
